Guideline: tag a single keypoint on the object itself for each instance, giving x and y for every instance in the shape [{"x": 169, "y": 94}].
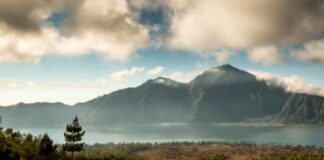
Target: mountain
[
  {"x": 157, "y": 100},
  {"x": 37, "y": 114},
  {"x": 220, "y": 94},
  {"x": 301, "y": 108},
  {"x": 225, "y": 93}
]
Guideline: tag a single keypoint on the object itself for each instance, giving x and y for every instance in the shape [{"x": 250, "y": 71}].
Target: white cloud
[
  {"x": 127, "y": 73},
  {"x": 208, "y": 25},
  {"x": 111, "y": 27},
  {"x": 17, "y": 84},
  {"x": 211, "y": 24},
  {"x": 176, "y": 75},
  {"x": 182, "y": 76},
  {"x": 155, "y": 70},
  {"x": 291, "y": 83},
  {"x": 313, "y": 50},
  {"x": 265, "y": 55},
  {"x": 105, "y": 26},
  {"x": 223, "y": 55},
  {"x": 14, "y": 91}
]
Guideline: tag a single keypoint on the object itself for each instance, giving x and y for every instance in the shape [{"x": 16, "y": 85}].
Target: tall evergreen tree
[{"x": 73, "y": 136}]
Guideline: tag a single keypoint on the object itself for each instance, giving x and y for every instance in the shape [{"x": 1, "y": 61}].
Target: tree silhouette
[
  {"x": 46, "y": 148},
  {"x": 73, "y": 135},
  {"x": 0, "y": 123}
]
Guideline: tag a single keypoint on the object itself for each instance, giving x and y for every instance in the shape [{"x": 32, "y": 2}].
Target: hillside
[{"x": 220, "y": 94}]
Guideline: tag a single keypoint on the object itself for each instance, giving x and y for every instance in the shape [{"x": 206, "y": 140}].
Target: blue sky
[{"x": 145, "y": 40}]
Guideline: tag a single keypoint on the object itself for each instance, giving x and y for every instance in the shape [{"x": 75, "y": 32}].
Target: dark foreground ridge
[{"x": 220, "y": 94}]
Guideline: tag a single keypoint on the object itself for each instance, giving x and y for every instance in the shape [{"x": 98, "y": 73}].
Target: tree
[
  {"x": 0, "y": 123},
  {"x": 73, "y": 136},
  {"x": 46, "y": 148}
]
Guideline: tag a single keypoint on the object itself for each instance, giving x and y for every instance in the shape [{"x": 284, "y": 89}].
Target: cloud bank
[
  {"x": 104, "y": 26},
  {"x": 113, "y": 28},
  {"x": 291, "y": 83},
  {"x": 208, "y": 24}
]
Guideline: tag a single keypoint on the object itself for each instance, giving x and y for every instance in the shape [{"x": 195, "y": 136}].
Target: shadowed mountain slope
[{"x": 220, "y": 94}]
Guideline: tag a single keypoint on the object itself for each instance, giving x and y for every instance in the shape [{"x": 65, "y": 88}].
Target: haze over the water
[{"x": 259, "y": 134}]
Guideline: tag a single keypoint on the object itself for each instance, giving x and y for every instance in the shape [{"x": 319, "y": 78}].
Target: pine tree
[{"x": 73, "y": 136}]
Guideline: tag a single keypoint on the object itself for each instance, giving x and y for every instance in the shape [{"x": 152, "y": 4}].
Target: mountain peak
[
  {"x": 225, "y": 67},
  {"x": 225, "y": 74},
  {"x": 228, "y": 67},
  {"x": 163, "y": 81}
]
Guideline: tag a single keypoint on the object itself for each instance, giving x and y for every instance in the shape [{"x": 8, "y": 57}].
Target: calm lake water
[{"x": 296, "y": 134}]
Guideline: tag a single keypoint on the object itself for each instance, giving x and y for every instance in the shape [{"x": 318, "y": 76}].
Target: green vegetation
[
  {"x": 73, "y": 136},
  {"x": 17, "y": 146},
  {"x": 14, "y": 145},
  {"x": 46, "y": 148}
]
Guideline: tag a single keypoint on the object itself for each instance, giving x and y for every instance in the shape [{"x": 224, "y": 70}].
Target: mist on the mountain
[{"x": 219, "y": 95}]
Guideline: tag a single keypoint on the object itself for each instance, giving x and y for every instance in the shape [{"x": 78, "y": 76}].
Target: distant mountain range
[{"x": 220, "y": 94}]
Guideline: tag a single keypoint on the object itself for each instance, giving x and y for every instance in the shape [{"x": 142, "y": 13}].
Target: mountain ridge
[{"x": 220, "y": 94}]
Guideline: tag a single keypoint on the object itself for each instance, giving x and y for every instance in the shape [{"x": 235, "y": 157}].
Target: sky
[{"x": 71, "y": 51}]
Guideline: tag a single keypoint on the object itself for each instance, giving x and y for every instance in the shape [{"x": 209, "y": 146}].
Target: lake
[{"x": 164, "y": 132}]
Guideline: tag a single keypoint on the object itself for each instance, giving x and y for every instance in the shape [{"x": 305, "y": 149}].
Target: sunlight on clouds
[
  {"x": 21, "y": 47},
  {"x": 127, "y": 73},
  {"x": 208, "y": 25},
  {"x": 176, "y": 75},
  {"x": 292, "y": 83},
  {"x": 265, "y": 55},
  {"x": 16, "y": 84},
  {"x": 224, "y": 55},
  {"x": 105, "y": 26},
  {"x": 67, "y": 96},
  {"x": 113, "y": 28},
  {"x": 186, "y": 76},
  {"x": 313, "y": 50},
  {"x": 14, "y": 91},
  {"x": 155, "y": 70}
]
